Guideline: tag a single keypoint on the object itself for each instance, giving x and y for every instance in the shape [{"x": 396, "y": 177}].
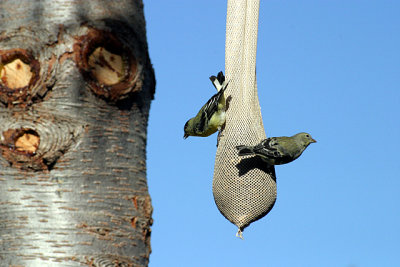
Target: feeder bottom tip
[{"x": 239, "y": 234}]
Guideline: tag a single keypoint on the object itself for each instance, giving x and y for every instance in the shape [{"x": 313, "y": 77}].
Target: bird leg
[{"x": 220, "y": 129}]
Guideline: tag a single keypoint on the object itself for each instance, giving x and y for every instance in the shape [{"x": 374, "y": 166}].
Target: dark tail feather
[
  {"x": 245, "y": 150},
  {"x": 220, "y": 77},
  {"x": 218, "y": 81}
]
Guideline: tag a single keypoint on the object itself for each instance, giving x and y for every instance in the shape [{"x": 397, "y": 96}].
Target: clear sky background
[{"x": 331, "y": 68}]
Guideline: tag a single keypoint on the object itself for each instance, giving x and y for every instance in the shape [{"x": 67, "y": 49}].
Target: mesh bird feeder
[{"x": 244, "y": 189}]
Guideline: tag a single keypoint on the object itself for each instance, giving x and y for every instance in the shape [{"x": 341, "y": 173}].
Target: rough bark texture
[{"x": 75, "y": 90}]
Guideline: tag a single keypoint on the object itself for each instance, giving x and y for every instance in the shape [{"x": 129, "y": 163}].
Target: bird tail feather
[
  {"x": 219, "y": 81},
  {"x": 245, "y": 150}
]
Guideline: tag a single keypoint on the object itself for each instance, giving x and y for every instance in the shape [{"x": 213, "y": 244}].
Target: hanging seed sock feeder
[{"x": 244, "y": 188}]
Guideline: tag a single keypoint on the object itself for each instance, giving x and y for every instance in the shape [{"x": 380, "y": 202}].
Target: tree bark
[{"x": 76, "y": 84}]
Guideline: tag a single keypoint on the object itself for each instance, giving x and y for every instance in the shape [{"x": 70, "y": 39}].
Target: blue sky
[{"x": 331, "y": 68}]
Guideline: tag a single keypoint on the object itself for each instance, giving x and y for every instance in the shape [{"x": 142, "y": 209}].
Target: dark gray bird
[{"x": 279, "y": 150}]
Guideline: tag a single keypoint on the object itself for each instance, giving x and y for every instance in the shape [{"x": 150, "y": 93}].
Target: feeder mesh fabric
[{"x": 244, "y": 188}]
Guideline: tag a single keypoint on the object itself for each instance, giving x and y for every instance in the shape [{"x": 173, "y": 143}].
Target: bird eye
[{"x": 307, "y": 135}]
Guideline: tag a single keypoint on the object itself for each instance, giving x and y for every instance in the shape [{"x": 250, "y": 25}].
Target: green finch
[
  {"x": 278, "y": 150},
  {"x": 211, "y": 116}
]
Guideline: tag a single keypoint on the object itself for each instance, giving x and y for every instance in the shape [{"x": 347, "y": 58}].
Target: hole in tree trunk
[{"x": 28, "y": 142}]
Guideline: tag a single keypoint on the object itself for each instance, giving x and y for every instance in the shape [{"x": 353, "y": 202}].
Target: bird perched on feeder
[
  {"x": 278, "y": 150},
  {"x": 211, "y": 116}
]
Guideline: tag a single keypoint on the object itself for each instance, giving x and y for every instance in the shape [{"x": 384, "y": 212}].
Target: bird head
[
  {"x": 185, "y": 129},
  {"x": 305, "y": 138}
]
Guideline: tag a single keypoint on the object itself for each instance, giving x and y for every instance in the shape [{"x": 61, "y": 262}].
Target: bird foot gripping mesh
[{"x": 244, "y": 188}]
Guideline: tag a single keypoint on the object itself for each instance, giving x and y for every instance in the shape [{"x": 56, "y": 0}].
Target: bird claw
[
  {"x": 220, "y": 130},
  {"x": 219, "y": 137}
]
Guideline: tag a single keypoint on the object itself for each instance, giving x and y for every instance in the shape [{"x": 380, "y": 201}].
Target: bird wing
[
  {"x": 210, "y": 108},
  {"x": 271, "y": 148}
]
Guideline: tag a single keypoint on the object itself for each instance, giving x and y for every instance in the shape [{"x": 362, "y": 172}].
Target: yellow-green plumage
[{"x": 211, "y": 116}]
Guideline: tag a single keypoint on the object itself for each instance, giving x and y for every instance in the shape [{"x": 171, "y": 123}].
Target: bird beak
[{"x": 313, "y": 140}]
